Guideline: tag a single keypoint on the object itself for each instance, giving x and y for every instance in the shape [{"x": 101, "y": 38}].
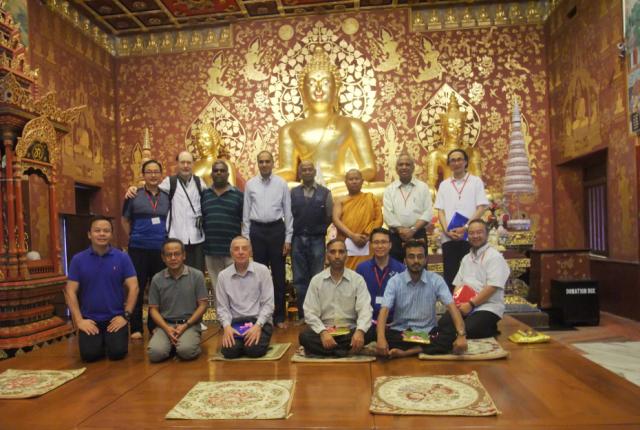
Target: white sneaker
[{"x": 203, "y": 326}]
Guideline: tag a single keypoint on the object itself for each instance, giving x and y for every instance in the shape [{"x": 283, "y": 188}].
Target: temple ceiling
[{"x": 130, "y": 17}]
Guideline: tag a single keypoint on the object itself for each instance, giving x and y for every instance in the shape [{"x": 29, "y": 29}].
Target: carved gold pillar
[
  {"x": 53, "y": 221},
  {"x": 3, "y": 249},
  {"x": 7, "y": 137},
  {"x": 23, "y": 270}
]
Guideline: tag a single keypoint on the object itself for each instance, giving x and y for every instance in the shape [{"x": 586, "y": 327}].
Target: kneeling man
[
  {"x": 177, "y": 302},
  {"x": 486, "y": 272},
  {"x": 337, "y": 298},
  {"x": 244, "y": 295},
  {"x": 412, "y": 296},
  {"x": 95, "y": 295}
]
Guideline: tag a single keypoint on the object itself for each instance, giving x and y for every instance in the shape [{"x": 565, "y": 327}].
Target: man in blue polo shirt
[
  {"x": 382, "y": 267},
  {"x": 95, "y": 295},
  {"x": 143, "y": 219},
  {"x": 412, "y": 295}
]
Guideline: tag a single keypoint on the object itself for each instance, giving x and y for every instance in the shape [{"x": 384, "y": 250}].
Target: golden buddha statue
[
  {"x": 451, "y": 132},
  {"x": 333, "y": 142},
  {"x": 209, "y": 147}
]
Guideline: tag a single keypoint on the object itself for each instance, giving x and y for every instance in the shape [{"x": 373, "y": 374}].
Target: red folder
[{"x": 463, "y": 294}]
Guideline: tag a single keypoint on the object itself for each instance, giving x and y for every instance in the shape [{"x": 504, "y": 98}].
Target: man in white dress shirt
[
  {"x": 268, "y": 223},
  {"x": 462, "y": 193},
  {"x": 406, "y": 207}
]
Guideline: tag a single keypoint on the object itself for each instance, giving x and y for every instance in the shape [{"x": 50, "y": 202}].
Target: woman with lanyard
[{"x": 144, "y": 220}]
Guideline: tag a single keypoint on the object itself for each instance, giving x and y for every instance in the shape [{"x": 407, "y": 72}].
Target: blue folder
[{"x": 458, "y": 220}]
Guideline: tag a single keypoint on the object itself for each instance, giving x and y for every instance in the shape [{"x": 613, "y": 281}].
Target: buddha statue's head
[
  {"x": 319, "y": 83},
  {"x": 208, "y": 142},
  {"x": 452, "y": 124}
]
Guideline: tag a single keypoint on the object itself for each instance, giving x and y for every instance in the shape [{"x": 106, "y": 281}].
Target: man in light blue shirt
[
  {"x": 268, "y": 223},
  {"x": 412, "y": 295}
]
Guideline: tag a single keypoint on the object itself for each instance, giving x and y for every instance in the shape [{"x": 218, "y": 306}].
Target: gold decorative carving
[
  {"x": 215, "y": 85},
  {"x": 432, "y": 67},
  {"x": 286, "y": 32},
  {"x": 357, "y": 95},
  {"x": 253, "y": 57},
  {"x": 480, "y": 16},
  {"x": 428, "y": 123},
  {"x": 230, "y": 131},
  {"x": 388, "y": 47},
  {"x": 38, "y": 131},
  {"x": 350, "y": 26},
  {"x": 520, "y": 238}
]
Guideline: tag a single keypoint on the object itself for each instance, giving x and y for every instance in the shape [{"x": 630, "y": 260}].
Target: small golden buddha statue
[
  {"x": 209, "y": 148},
  {"x": 451, "y": 132},
  {"x": 333, "y": 142}
]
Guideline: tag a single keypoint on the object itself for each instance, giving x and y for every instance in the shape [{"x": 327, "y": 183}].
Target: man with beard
[
  {"x": 337, "y": 299},
  {"x": 412, "y": 296}
]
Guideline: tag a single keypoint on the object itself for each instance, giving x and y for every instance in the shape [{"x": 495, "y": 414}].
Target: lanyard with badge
[
  {"x": 380, "y": 280},
  {"x": 154, "y": 206},
  {"x": 459, "y": 192}
]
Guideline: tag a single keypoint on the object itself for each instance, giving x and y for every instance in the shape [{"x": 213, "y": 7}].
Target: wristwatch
[
  {"x": 461, "y": 334},
  {"x": 127, "y": 315}
]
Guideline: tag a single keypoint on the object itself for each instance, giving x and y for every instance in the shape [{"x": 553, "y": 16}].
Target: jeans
[{"x": 307, "y": 260}]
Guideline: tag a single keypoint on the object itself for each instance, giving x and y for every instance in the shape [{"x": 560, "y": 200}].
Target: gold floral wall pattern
[
  {"x": 81, "y": 73},
  {"x": 389, "y": 72},
  {"x": 588, "y": 113}
]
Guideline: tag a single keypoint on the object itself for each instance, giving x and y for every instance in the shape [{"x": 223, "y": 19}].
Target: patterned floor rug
[
  {"x": 431, "y": 395},
  {"x": 478, "y": 349},
  {"x": 301, "y": 357},
  {"x": 236, "y": 400},
  {"x": 24, "y": 384},
  {"x": 275, "y": 352}
]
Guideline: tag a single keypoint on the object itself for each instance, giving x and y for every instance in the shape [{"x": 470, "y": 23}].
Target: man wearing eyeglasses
[
  {"x": 177, "y": 302},
  {"x": 377, "y": 271},
  {"x": 143, "y": 220}
]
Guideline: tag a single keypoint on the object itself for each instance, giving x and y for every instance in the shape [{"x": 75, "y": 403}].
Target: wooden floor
[{"x": 545, "y": 386}]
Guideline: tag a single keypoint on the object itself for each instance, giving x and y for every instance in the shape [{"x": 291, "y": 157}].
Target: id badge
[
  {"x": 379, "y": 300},
  {"x": 155, "y": 220}
]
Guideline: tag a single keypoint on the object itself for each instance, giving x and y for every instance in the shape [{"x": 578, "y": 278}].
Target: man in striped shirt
[
  {"x": 412, "y": 295},
  {"x": 222, "y": 219}
]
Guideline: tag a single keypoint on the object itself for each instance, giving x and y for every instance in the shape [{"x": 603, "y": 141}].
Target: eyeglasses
[{"x": 152, "y": 172}]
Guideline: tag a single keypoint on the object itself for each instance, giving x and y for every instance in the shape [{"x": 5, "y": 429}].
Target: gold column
[
  {"x": 7, "y": 137},
  {"x": 23, "y": 270}
]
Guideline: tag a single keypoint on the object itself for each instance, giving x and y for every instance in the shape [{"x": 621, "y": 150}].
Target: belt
[
  {"x": 176, "y": 322},
  {"x": 267, "y": 224}
]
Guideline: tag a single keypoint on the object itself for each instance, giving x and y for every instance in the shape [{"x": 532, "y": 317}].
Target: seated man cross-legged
[
  {"x": 245, "y": 299},
  {"x": 177, "y": 302},
  {"x": 412, "y": 296},
  {"x": 486, "y": 272},
  {"x": 337, "y": 298}
]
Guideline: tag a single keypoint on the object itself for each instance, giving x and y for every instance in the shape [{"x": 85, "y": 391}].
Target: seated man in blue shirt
[
  {"x": 177, "y": 301},
  {"x": 95, "y": 295},
  {"x": 377, "y": 271},
  {"x": 412, "y": 295}
]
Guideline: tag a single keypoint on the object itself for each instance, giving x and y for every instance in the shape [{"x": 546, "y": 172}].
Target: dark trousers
[
  {"x": 147, "y": 263},
  {"x": 267, "y": 241},
  {"x": 478, "y": 325},
  {"x": 94, "y": 347},
  {"x": 312, "y": 343},
  {"x": 307, "y": 260},
  {"x": 452, "y": 253},
  {"x": 258, "y": 350},
  {"x": 397, "y": 245},
  {"x": 195, "y": 256},
  {"x": 394, "y": 339}
]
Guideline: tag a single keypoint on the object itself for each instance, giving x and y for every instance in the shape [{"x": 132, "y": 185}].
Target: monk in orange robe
[{"x": 356, "y": 215}]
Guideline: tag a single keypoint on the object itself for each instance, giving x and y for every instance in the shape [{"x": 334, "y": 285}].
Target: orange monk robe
[{"x": 361, "y": 214}]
